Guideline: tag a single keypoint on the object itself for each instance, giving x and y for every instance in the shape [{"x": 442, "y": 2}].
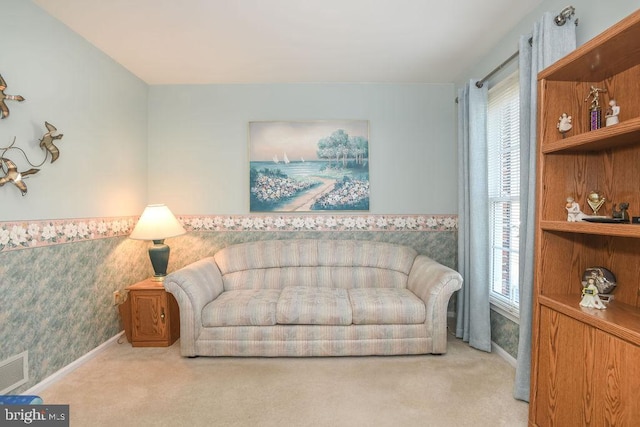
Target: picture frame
[{"x": 309, "y": 166}]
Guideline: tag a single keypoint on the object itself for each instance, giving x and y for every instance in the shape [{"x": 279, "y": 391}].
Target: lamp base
[{"x": 159, "y": 255}]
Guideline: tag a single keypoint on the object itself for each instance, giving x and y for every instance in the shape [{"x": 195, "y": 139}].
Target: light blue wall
[
  {"x": 55, "y": 302},
  {"x": 594, "y": 16},
  {"x": 199, "y": 144},
  {"x": 99, "y": 107}
]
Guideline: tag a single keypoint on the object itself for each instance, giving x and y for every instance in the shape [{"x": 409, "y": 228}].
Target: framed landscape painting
[{"x": 309, "y": 166}]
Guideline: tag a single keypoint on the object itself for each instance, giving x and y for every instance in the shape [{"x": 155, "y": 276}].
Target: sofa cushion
[
  {"x": 242, "y": 308},
  {"x": 302, "y": 305},
  {"x": 276, "y": 264},
  {"x": 386, "y": 306}
]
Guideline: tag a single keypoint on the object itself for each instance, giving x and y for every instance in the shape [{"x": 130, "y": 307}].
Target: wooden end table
[{"x": 150, "y": 315}]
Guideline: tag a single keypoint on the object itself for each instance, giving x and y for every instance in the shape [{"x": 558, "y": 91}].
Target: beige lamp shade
[{"x": 157, "y": 223}]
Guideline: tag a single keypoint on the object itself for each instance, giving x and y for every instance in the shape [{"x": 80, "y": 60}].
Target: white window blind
[{"x": 503, "y": 138}]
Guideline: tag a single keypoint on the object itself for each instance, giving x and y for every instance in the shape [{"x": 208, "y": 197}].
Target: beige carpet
[{"x": 125, "y": 386}]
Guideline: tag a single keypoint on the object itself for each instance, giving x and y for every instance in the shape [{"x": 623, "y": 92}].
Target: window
[{"x": 503, "y": 139}]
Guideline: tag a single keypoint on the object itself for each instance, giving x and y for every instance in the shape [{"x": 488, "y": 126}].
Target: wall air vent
[{"x": 14, "y": 372}]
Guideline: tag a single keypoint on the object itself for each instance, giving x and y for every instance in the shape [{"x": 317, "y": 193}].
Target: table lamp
[{"x": 157, "y": 223}]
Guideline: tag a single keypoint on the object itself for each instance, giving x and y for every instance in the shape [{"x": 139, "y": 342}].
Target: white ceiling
[{"x": 292, "y": 41}]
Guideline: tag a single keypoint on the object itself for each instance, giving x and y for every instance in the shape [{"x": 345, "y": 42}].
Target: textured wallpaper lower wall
[
  {"x": 505, "y": 333},
  {"x": 56, "y": 301},
  {"x": 56, "y": 297}
]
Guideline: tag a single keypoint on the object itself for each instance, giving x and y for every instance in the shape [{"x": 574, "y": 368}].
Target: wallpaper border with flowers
[{"x": 26, "y": 234}]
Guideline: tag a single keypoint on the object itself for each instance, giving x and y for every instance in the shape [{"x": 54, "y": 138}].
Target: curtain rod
[
  {"x": 560, "y": 20},
  {"x": 480, "y": 83}
]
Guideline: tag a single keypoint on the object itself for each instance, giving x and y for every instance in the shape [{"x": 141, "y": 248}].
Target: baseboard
[
  {"x": 61, "y": 373},
  {"x": 495, "y": 348}
]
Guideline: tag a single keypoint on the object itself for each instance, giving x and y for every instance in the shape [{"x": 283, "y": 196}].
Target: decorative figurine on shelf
[
  {"x": 590, "y": 297},
  {"x": 595, "y": 112},
  {"x": 612, "y": 113},
  {"x": 622, "y": 214},
  {"x": 598, "y": 284},
  {"x": 574, "y": 214},
  {"x": 595, "y": 201},
  {"x": 564, "y": 124},
  {"x": 4, "y": 110}
]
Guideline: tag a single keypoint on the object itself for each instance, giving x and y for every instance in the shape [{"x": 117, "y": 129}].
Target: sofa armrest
[
  {"x": 193, "y": 286},
  {"x": 434, "y": 283}
]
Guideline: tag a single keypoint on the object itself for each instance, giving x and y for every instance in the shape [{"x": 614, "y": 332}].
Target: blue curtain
[
  {"x": 549, "y": 42},
  {"x": 473, "y": 324}
]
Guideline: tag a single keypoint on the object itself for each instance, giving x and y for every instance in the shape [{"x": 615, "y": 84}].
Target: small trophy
[
  {"x": 595, "y": 200},
  {"x": 595, "y": 112}
]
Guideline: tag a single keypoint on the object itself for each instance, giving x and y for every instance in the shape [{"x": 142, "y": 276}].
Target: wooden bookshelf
[{"x": 585, "y": 366}]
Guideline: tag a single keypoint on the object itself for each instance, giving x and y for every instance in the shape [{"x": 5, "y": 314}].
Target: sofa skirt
[{"x": 313, "y": 340}]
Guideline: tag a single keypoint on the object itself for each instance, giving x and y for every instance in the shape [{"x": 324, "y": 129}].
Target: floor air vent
[{"x": 14, "y": 372}]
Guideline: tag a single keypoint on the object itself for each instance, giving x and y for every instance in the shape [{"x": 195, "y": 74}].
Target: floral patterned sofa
[{"x": 313, "y": 298}]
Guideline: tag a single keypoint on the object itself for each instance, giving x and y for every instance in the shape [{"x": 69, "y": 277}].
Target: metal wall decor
[
  {"x": 47, "y": 142},
  {"x": 12, "y": 175},
  {"x": 8, "y": 168},
  {"x": 4, "y": 110}
]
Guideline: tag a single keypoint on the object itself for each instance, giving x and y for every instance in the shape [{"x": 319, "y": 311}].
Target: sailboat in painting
[{"x": 285, "y": 159}]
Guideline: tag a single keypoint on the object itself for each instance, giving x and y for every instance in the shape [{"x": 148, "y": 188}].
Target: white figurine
[
  {"x": 564, "y": 123},
  {"x": 574, "y": 214},
  {"x": 612, "y": 113},
  {"x": 590, "y": 296}
]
